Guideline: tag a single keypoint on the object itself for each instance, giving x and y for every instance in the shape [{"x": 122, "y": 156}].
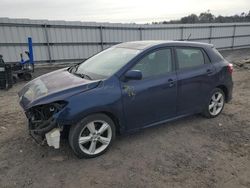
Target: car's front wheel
[
  {"x": 215, "y": 103},
  {"x": 92, "y": 136}
]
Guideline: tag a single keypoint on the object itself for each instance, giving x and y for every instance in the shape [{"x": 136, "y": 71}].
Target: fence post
[
  {"x": 101, "y": 37},
  {"x": 182, "y": 33},
  {"x": 140, "y": 30},
  {"x": 233, "y": 36},
  {"x": 47, "y": 41},
  {"x": 210, "y": 33}
]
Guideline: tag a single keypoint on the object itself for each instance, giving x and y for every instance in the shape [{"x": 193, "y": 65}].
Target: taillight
[{"x": 230, "y": 68}]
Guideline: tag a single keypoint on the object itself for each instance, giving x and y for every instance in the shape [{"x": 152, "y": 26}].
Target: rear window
[{"x": 189, "y": 57}]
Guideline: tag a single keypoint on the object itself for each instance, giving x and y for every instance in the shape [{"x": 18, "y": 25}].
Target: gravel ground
[{"x": 190, "y": 152}]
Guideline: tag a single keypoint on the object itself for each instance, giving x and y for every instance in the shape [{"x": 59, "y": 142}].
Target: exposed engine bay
[{"x": 42, "y": 122}]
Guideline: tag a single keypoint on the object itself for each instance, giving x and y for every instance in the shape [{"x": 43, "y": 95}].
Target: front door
[{"x": 154, "y": 97}]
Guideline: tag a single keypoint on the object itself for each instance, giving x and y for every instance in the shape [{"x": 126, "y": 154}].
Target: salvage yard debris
[{"x": 243, "y": 63}]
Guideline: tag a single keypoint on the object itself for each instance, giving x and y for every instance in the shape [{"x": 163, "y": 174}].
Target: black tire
[
  {"x": 206, "y": 112},
  {"x": 27, "y": 76},
  {"x": 77, "y": 129}
]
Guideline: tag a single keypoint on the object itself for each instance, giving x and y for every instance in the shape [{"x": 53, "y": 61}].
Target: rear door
[
  {"x": 195, "y": 78},
  {"x": 154, "y": 97}
]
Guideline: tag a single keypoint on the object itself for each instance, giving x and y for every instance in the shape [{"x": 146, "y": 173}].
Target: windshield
[{"x": 107, "y": 62}]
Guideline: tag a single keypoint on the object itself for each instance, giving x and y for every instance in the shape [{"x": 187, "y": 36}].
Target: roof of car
[{"x": 142, "y": 45}]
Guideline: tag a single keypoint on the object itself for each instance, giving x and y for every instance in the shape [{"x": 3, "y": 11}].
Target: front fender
[{"x": 104, "y": 98}]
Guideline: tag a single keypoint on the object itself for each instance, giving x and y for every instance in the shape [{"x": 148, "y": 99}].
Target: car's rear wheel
[
  {"x": 92, "y": 136},
  {"x": 215, "y": 104}
]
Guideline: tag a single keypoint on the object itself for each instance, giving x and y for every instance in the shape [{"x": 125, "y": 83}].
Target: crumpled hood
[{"x": 54, "y": 86}]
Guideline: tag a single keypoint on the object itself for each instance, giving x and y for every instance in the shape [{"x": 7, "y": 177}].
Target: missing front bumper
[{"x": 43, "y": 125}]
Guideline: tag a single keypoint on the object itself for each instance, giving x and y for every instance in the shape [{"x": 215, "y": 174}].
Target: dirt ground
[{"x": 190, "y": 152}]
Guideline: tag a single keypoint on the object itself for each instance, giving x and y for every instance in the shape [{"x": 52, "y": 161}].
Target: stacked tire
[{"x": 6, "y": 80}]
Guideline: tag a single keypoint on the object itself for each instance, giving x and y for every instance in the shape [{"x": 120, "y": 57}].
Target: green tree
[
  {"x": 206, "y": 17},
  {"x": 192, "y": 18}
]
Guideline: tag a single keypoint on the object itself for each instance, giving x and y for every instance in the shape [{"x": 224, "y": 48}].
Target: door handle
[
  {"x": 171, "y": 82},
  {"x": 209, "y": 72}
]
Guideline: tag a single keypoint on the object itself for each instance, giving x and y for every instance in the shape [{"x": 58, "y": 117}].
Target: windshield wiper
[
  {"x": 73, "y": 67},
  {"x": 83, "y": 75}
]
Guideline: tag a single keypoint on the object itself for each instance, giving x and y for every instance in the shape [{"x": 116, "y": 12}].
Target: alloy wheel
[
  {"x": 95, "y": 137},
  {"x": 216, "y": 103}
]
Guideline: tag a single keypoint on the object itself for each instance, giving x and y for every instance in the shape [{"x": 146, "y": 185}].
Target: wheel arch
[
  {"x": 225, "y": 91},
  {"x": 114, "y": 119},
  {"x": 112, "y": 116}
]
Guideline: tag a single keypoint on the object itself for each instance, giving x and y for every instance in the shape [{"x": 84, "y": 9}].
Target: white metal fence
[{"x": 68, "y": 42}]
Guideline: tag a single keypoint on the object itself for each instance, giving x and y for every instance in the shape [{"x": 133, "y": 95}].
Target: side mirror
[{"x": 133, "y": 75}]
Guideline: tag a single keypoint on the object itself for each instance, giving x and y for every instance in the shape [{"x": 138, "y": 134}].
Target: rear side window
[
  {"x": 217, "y": 53},
  {"x": 189, "y": 57},
  {"x": 155, "y": 63}
]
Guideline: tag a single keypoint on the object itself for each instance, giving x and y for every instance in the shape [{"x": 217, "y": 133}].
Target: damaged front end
[
  {"x": 43, "y": 125},
  {"x": 44, "y": 99}
]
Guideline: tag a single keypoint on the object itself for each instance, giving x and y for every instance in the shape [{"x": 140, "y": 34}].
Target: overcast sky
[{"x": 126, "y": 11}]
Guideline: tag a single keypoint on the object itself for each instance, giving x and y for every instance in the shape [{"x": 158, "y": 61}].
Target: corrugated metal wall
[{"x": 69, "y": 42}]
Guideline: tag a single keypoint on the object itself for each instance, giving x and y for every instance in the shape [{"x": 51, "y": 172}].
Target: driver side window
[{"x": 155, "y": 63}]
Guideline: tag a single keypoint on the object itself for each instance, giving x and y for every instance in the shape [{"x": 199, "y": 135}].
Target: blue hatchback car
[{"x": 125, "y": 88}]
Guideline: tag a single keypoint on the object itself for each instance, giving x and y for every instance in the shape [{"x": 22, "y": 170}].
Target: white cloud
[{"x": 116, "y": 10}]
